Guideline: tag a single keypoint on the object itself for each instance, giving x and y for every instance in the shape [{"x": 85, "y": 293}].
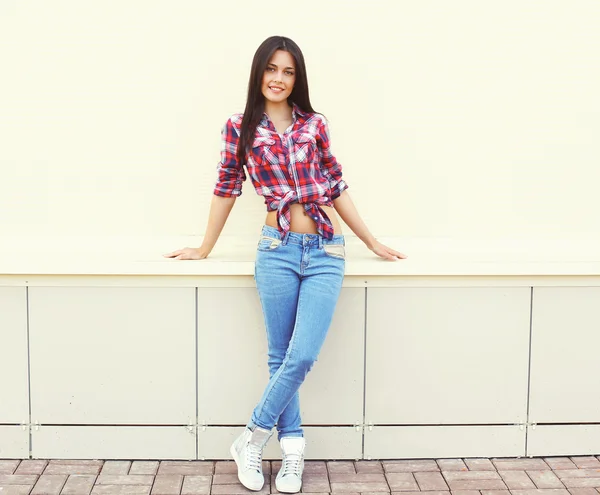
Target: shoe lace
[
  {"x": 253, "y": 457},
  {"x": 291, "y": 464}
]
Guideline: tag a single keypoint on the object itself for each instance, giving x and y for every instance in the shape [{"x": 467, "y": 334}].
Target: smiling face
[{"x": 279, "y": 77}]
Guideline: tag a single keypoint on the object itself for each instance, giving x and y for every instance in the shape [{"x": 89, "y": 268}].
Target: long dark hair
[{"x": 255, "y": 103}]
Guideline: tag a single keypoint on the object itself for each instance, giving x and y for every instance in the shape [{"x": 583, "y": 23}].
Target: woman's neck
[{"x": 278, "y": 111}]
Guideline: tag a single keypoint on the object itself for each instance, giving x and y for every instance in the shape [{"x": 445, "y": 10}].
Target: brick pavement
[{"x": 507, "y": 476}]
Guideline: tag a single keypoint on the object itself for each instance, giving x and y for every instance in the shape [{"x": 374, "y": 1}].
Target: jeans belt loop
[
  {"x": 320, "y": 241},
  {"x": 284, "y": 240}
]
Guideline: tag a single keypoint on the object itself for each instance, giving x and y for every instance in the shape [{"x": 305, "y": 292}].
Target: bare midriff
[{"x": 303, "y": 224}]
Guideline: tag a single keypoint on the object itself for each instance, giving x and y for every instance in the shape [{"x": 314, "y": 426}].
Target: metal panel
[
  {"x": 565, "y": 378},
  {"x": 112, "y": 355},
  {"x": 547, "y": 440},
  {"x": 414, "y": 442},
  {"x": 447, "y": 355},
  {"x": 326, "y": 442},
  {"x": 14, "y": 442},
  {"x": 233, "y": 369},
  {"x": 113, "y": 442},
  {"x": 14, "y": 403}
]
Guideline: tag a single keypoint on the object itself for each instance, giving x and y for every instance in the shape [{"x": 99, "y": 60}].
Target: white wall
[{"x": 467, "y": 118}]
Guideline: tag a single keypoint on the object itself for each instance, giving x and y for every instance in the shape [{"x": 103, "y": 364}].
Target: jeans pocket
[
  {"x": 335, "y": 251},
  {"x": 266, "y": 243}
]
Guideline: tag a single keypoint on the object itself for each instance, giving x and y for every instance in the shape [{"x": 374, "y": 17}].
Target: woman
[{"x": 300, "y": 256}]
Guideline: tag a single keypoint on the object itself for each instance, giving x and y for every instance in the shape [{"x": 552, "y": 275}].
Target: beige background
[{"x": 464, "y": 119}]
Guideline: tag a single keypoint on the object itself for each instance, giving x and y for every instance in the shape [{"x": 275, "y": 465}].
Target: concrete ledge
[{"x": 235, "y": 256}]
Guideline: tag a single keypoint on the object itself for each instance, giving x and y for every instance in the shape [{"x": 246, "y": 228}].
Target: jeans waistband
[{"x": 302, "y": 239}]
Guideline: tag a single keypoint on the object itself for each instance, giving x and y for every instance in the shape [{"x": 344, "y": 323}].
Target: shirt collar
[{"x": 296, "y": 112}]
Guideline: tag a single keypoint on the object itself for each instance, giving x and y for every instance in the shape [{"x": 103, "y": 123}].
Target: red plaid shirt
[{"x": 296, "y": 167}]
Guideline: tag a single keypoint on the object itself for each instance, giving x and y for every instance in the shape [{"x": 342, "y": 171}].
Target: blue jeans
[{"x": 299, "y": 278}]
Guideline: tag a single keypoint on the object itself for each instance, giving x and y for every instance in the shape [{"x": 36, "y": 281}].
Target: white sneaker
[
  {"x": 247, "y": 453},
  {"x": 289, "y": 477}
]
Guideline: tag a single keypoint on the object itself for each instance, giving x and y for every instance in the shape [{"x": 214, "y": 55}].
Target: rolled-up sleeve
[
  {"x": 230, "y": 173},
  {"x": 330, "y": 167}
]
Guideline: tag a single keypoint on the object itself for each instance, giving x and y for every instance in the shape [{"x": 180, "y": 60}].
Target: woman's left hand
[{"x": 386, "y": 252}]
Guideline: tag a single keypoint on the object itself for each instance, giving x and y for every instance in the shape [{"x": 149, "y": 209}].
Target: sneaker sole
[
  {"x": 234, "y": 454},
  {"x": 287, "y": 491}
]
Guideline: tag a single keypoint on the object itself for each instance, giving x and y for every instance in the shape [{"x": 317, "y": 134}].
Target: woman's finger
[
  {"x": 174, "y": 253},
  {"x": 385, "y": 254},
  {"x": 399, "y": 255}
]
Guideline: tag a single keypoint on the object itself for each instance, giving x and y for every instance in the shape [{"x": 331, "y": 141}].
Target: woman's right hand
[{"x": 188, "y": 254}]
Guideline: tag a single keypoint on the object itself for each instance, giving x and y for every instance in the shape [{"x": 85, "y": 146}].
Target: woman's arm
[
  {"x": 230, "y": 177},
  {"x": 220, "y": 207},
  {"x": 345, "y": 207}
]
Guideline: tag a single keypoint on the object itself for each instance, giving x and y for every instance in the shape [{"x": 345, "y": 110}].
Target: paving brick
[
  {"x": 581, "y": 482},
  {"x": 15, "y": 489},
  {"x": 560, "y": 463},
  {"x": 486, "y": 484},
  {"x": 586, "y": 462},
  {"x": 545, "y": 479},
  {"x": 80, "y": 462},
  {"x": 49, "y": 484},
  {"x": 8, "y": 466},
  {"x": 429, "y": 481},
  {"x": 167, "y": 484},
  {"x": 495, "y": 492},
  {"x": 238, "y": 489},
  {"x": 359, "y": 487},
  {"x": 471, "y": 492},
  {"x": 451, "y": 465},
  {"x": 53, "y": 468},
  {"x": 116, "y": 467},
  {"x": 578, "y": 473},
  {"x": 517, "y": 480},
  {"x": 410, "y": 466},
  {"x": 313, "y": 467},
  {"x": 199, "y": 468},
  {"x": 524, "y": 464},
  {"x": 196, "y": 485},
  {"x": 357, "y": 477},
  {"x": 471, "y": 475},
  {"x": 438, "y": 492},
  {"x": 400, "y": 482},
  {"x": 363, "y": 467},
  {"x": 125, "y": 479},
  {"x": 341, "y": 467},
  {"x": 18, "y": 479},
  {"x": 225, "y": 479},
  {"x": 539, "y": 492},
  {"x": 230, "y": 467},
  {"x": 144, "y": 467},
  {"x": 225, "y": 467},
  {"x": 316, "y": 483},
  {"x": 583, "y": 491},
  {"x": 121, "y": 490},
  {"x": 479, "y": 465},
  {"x": 79, "y": 484},
  {"x": 32, "y": 466}
]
